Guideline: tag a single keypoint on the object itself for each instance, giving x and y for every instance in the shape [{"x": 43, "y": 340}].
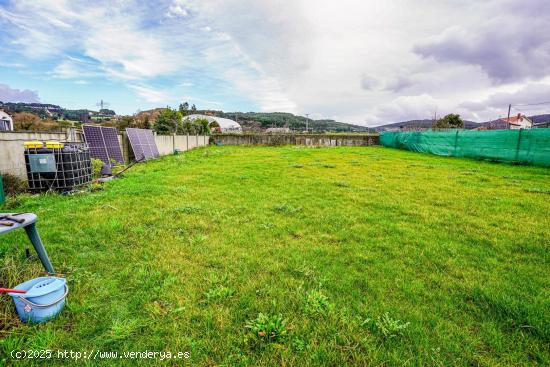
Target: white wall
[{"x": 168, "y": 143}]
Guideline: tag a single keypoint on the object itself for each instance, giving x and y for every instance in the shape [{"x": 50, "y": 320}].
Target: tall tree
[
  {"x": 450, "y": 121},
  {"x": 184, "y": 109},
  {"x": 167, "y": 122}
]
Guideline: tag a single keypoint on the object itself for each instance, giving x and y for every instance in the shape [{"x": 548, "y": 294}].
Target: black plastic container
[{"x": 64, "y": 169}]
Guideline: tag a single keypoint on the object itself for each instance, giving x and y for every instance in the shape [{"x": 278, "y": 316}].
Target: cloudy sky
[{"x": 367, "y": 62}]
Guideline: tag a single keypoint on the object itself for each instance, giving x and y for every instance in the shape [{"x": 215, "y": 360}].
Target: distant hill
[
  {"x": 537, "y": 119},
  {"x": 418, "y": 124},
  {"x": 256, "y": 121},
  {"x": 52, "y": 111}
]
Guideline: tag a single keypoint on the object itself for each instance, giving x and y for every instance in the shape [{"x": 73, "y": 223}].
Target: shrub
[
  {"x": 97, "y": 164},
  {"x": 268, "y": 328},
  {"x": 13, "y": 185}
]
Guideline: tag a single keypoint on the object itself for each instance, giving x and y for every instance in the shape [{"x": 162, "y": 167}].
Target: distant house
[
  {"x": 516, "y": 122},
  {"x": 278, "y": 130},
  {"x": 219, "y": 125},
  {"x": 6, "y": 122}
]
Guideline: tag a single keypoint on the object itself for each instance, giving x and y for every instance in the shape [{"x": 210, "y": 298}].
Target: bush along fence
[{"x": 523, "y": 146}]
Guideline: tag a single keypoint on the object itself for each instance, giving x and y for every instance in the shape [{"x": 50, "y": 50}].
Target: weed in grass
[
  {"x": 215, "y": 278},
  {"x": 387, "y": 326},
  {"x": 342, "y": 184},
  {"x": 538, "y": 190},
  {"x": 218, "y": 293},
  {"x": 268, "y": 328},
  {"x": 326, "y": 165},
  {"x": 188, "y": 209},
  {"x": 266, "y": 225},
  {"x": 316, "y": 303},
  {"x": 297, "y": 166},
  {"x": 179, "y": 190},
  {"x": 198, "y": 239},
  {"x": 159, "y": 308},
  {"x": 287, "y": 209},
  {"x": 298, "y": 344}
]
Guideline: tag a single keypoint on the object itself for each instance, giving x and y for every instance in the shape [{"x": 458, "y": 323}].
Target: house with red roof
[{"x": 509, "y": 123}]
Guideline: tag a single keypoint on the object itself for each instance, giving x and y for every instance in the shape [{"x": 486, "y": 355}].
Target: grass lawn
[{"x": 371, "y": 256}]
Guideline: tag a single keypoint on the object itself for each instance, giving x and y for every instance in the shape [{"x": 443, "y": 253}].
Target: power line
[{"x": 529, "y": 104}]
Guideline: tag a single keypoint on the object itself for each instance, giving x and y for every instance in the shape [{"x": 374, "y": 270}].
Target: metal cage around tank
[{"x": 60, "y": 166}]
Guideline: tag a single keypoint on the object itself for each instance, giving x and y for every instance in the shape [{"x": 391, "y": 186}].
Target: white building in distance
[{"x": 6, "y": 122}]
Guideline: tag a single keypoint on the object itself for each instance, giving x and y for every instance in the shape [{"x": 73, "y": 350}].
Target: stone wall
[{"x": 328, "y": 140}]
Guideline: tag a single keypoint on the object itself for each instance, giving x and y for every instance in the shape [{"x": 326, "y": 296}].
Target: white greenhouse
[{"x": 219, "y": 124}]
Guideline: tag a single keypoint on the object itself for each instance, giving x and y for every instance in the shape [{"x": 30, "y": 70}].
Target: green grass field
[{"x": 371, "y": 256}]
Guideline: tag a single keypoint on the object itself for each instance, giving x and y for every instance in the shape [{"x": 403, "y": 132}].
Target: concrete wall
[
  {"x": 329, "y": 140},
  {"x": 12, "y": 159},
  {"x": 167, "y": 144}
]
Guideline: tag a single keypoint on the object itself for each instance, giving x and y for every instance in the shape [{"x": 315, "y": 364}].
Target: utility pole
[
  {"x": 307, "y": 122},
  {"x": 509, "y": 108}
]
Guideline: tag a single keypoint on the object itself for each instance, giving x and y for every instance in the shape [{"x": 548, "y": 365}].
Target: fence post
[
  {"x": 456, "y": 143},
  {"x": 517, "y": 147}
]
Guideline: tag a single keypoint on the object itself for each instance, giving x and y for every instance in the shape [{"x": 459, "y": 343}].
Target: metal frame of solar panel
[
  {"x": 143, "y": 143},
  {"x": 103, "y": 143}
]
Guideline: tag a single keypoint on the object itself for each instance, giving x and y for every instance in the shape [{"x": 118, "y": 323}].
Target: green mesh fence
[{"x": 525, "y": 146}]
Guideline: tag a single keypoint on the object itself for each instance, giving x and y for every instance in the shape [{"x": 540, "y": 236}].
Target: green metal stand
[
  {"x": 2, "y": 196},
  {"x": 29, "y": 224},
  {"x": 34, "y": 237}
]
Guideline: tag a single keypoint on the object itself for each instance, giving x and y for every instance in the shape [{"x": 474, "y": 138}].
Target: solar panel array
[
  {"x": 143, "y": 143},
  {"x": 103, "y": 143}
]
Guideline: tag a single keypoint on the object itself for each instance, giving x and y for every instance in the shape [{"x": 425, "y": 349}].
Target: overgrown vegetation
[
  {"x": 171, "y": 121},
  {"x": 13, "y": 185},
  {"x": 417, "y": 260},
  {"x": 97, "y": 165}
]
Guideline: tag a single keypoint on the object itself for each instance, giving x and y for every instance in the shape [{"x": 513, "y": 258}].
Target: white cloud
[
  {"x": 366, "y": 62},
  {"x": 152, "y": 95},
  {"x": 177, "y": 9},
  {"x": 72, "y": 67},
  {"x": 8, "y": 94}
]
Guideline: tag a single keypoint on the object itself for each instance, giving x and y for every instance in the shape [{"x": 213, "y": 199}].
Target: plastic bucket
[{"x": 44, "y": 299}]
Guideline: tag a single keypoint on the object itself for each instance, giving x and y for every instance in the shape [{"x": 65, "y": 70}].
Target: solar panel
[
  {"x": 143, "y": 143},
  {"x": 103, "y": 143}
]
